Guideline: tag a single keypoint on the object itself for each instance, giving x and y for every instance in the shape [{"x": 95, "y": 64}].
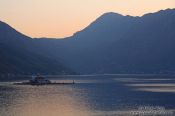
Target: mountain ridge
[
  {"x": 100, "y": 39},
  {"x": 107, "y": 13},
  {"x": 20, "y": 55},
  {"x": 113, "y": 43}
]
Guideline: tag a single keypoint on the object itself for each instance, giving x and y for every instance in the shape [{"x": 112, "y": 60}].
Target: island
[{"x": 41, "y": 80}]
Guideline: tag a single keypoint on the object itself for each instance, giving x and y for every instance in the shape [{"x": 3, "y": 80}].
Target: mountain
[
  {"x": 20, "y": 55},
  {"x": 111, "y": 44},
  {"x": 120, "y": 44}
]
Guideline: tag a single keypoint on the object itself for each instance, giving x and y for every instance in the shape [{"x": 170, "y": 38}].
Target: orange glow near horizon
[{"x": 62, "y": 18}]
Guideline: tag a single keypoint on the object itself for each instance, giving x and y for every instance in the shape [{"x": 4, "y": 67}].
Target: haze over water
[{"x": 91, "y": 96}]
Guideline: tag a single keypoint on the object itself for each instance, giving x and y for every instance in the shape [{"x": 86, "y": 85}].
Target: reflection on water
[
  {"x": 154, "y": 87},
  {"x": 42, "y": 101},
  {"x": 90, "y": 96}
]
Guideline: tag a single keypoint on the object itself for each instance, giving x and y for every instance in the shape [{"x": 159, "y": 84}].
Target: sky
[{"x": 62, "y": 18}]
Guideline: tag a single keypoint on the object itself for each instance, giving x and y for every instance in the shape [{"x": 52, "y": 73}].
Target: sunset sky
[{"x": 62, "y": 18}]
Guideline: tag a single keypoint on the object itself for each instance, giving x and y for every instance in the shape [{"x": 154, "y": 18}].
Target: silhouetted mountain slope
[
  {"x": 111, "y": 44},
  {"x": 121, "y": 44},
  {"x": 20, "y": 55}
]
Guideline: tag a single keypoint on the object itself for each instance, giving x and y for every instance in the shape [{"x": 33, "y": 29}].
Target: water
[{"x": 107, "y": 95}]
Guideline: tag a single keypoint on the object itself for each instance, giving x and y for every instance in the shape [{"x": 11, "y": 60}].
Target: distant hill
[
  {"x": 111, "y": 44},
  {"x": 20, "y": 55},
  {"x": 121, "y": 44}
]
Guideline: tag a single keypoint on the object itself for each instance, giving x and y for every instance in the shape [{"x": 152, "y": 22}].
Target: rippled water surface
[{"x": 107, "y": 95}]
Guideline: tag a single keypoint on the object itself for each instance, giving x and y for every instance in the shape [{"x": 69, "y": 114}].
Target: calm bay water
[{"x": 107, "y": 95}]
